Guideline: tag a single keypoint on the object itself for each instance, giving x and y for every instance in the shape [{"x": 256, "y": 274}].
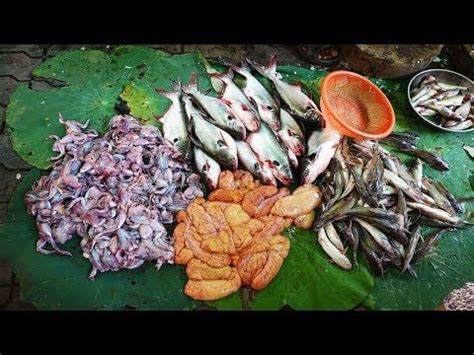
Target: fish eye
[
  {"x": 230, "y": 118},
  {"x": 276, "y": 163},
  {"x": 269, "y": 107},
  {"x": 256, "y": 166},
  {"x": 220, "y": 143},
  {"x": 175, "y": 140},
  {"x": 309, "y": 107}
]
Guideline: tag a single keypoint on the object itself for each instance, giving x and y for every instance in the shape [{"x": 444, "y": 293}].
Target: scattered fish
[
  {"x": 208, "y": 168},
  {"x": 335, "y": 254},
  {"x": 266, "y": 105},
  {"x": 214, "y": 141},
  {"x": 300, "y": 105},
  {"x": 265, "y": 144},
  {"x": 291, "y": 134},
  {"x": 239, "y": 103},
  {"x": 174, "y": 120},
  {"x": 220, "y": 112},
  {"x": 251, "y": 162},
  {"x": 321, "y": 148}
]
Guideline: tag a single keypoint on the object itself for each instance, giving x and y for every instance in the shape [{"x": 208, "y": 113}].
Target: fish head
[
  {"x": 237, "y": 128},
  {"x": 309, "y": 170},
  {"x": 313, "y": 114},
  {"x": 192, "y": 86},
  {"x": 270, "y": 116},
  {"x": 281, "y": 171},
  {"x": 265, "y": 175},
  {"x": 293, "y": 141}
]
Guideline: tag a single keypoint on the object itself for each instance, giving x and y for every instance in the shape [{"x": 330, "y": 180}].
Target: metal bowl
[{"x": 448, "y": 77}]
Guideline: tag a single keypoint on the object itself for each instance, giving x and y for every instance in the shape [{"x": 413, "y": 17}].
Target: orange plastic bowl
[{"x": 355, "y": 106}]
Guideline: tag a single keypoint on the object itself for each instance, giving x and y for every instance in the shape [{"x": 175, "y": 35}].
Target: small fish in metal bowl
[{"x": 443, "y": 99}]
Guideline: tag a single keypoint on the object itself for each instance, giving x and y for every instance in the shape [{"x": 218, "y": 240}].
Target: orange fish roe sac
[{"x": 233, "y": 238}]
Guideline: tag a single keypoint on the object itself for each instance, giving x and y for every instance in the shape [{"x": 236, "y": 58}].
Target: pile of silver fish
[
  {"x": 451, "y": 104},
  {"x": 116, "y": 192},
  {"x": 248, "y": 127},
  {"x": 375, "y": 203}
]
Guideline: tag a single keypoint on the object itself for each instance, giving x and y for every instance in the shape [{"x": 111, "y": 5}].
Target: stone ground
[{"x": 16, "y": 64}]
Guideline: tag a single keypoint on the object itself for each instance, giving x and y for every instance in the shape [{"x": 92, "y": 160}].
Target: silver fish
[
  {"x": 216, "y": 83},
  {"x": 451, "y": 101},
  {"x": 239, "y": 103},
  {"x": 266, "y": 105},
  {"x": 322, "y": 146},
  {"x": 335, "y": 254},
  {"x": 291, "y": 134},
  {"x": 415, "y": 237},
  {"x": 396, "y": 181},
  {"x": 265, "y": 144},
  {"x": 446, "y": 87},
  {"x": 424, "y": 94},
  {"x": 207, "y": 167},
  {"x": 436, "y": 213},
  {"x": 425, "y": 111},
  {"x": 291, "y": 156},
  {"x": 379, "y": 237},
  {"x": 174, "y": 120},
  {"x": 428, "y": 80},
  {"x": 465, "y": 107},
  {"x": 251, "y": 162},
  {"x": 453, "y": 124},
  {"x": 333, "y": 236},
  {"x": 219, "y": 110},
  {"x": 417, "y": 172},
  {"x": 300, "y": 104},
  {"x": 469, "y": 150},
  {"x": 213, "y": 140},
  {"x": 440, "y": 199}
]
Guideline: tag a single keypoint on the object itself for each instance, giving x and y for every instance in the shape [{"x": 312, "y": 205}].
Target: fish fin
[
  {"x": 166, "y": 93},
  {"x": 160, "y": 119},
  {"x": 227, "y": 102},
  {"x": 298, "y": 85},
  {"x": 259, "y": 68},
  {"x": 268, "y": 71},
  {"x": 192, "y": 85},
  {"x": 244, "y": 70},
  {"x": 209, "y": 69},
  {"x": 176, "y": 85}
]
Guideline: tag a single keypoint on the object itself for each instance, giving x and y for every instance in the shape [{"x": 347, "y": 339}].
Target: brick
[
  {"x": 58, "y": 48},
  {"x": 4, "y": 295},
  {"x": 3, "y": 211},
  {"x": 9, "y": 159},
  {"x": 5, "y": 274},
  {"x": 170, "y": 48},
  {"x": 7, "y": 86},
  {"x": 33, "y": 50},
  {"x": 8, "y": 183},
  {"x": 234, "y": 53},
  {"x": 18, "y": 65},
  {"x": 16, "y": 304},
  {"x": 286, "y": 54},
  {"x": 2, "y": 118}
]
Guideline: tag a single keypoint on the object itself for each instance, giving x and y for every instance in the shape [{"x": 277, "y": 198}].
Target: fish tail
[
  {"x": 267, "y": 71},
  {"x": 243, "y": 70},
  {"x": 176, "y": 85},
  {"x": 192, "y": 85}
]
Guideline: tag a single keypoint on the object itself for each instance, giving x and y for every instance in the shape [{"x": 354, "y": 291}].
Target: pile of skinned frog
[{"x": 234, "y": 239}]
